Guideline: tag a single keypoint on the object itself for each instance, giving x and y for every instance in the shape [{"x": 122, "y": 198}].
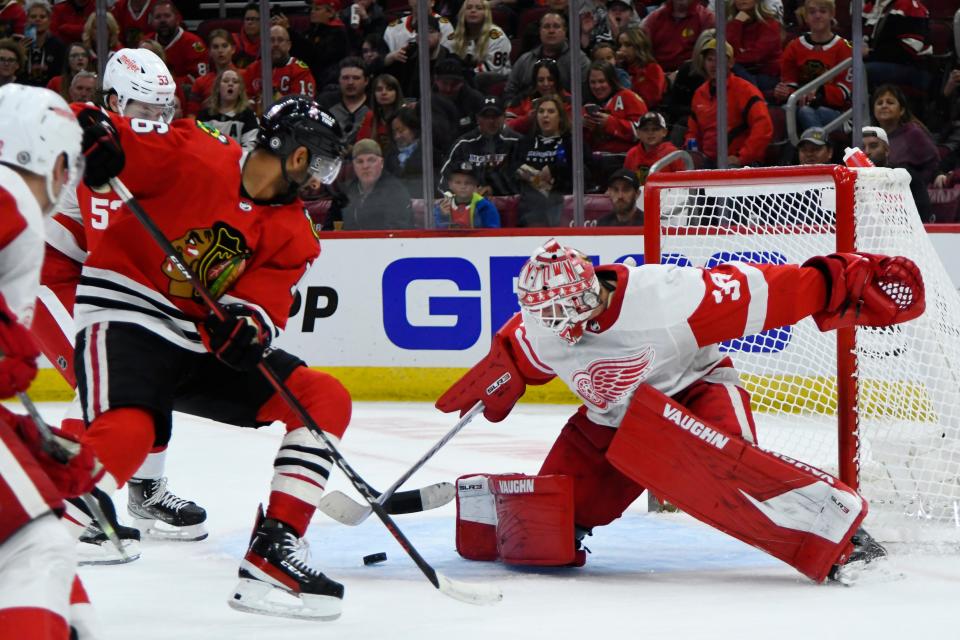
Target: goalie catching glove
[
  {"x": 868, "y": 290},
  {"x": 239, "y": 339}
]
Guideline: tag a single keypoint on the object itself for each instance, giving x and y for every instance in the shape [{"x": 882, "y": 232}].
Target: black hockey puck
[{"x": 375, "y": 558}]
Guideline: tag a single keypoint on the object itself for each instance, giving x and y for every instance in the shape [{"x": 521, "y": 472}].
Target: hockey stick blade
[
  {"x": 478, "y": 593},
  {"x": 345, "y": 510}
]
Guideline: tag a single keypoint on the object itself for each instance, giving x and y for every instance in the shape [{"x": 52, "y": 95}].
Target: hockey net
[{"x": 880, "y": 407}]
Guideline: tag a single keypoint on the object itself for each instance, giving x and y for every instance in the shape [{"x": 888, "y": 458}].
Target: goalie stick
[
  {"x": 350, "y": 512},
  {"x": 471, "y": 593}
]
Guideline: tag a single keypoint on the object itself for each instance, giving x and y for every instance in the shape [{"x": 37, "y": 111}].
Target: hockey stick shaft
[
  {"x": 60, "y": 454},
  {"x": 282, "y": 390}
]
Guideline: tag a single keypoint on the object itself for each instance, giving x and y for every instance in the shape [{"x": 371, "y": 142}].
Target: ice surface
[{"x": 650, "y": 575}]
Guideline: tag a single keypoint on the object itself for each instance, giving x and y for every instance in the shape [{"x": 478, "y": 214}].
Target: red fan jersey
[
  {"x": 133, "y": 24},
  {"x": 639, "y": 160},
  {"x": 186, "y": 55},
  {"x": 293, "y": 78},
  {"x": 187, "y": 177},
  {"x": 624, "y": 108},
  {"x": 803, "y": 60},
  {"x": 13, "y": 19}
]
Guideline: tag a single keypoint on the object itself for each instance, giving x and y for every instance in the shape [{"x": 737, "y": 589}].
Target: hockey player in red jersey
[
  {"x": 136, "y": 84},
  {"x": 147, "y": 345},
  {"x": 40, "y": 596},
  {"x": 662, "y": 406}
]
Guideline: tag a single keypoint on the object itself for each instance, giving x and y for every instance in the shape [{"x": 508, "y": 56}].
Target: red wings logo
[{"x": 609, "y": 380}]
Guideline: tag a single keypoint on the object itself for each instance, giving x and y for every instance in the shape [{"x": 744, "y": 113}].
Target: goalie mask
[{"x": 558, "y": 289}]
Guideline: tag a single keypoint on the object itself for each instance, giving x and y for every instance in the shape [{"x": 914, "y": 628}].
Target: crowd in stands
[{"x": 501, "y": 96}]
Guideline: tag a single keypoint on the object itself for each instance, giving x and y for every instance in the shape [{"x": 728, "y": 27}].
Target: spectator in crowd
[
  {"x": 45, "y": 52},
  {"x": 876, "y": 144},
  {"x": 646, "y": 76},
  {"x": 78, "y": 59},
  {"x": 810, "y": 56},
  {"x": 553, "y": 46},
  {"x": 68, "y": 19},
  {"x": 607, "y": 52},
  {"x": 349, "y": 103},
  {"x": 186, "y": 53},
  {"x": 83, "y": 87},
  {"x": 911, "y": 146},
  {"x": 482, "y": 45},
  {"x": 387, "y": 100},
  {"x": 610, "y": 111},
  {"x": 749, "y": 126},
  {"x": 228, "y": 109},
  {"x": 11, "y": 60},
  {"x": 373, "y": 52},
  {"x": 375, "y": 199},
  {"x": 449, "y": 81},
  {"x": 686, "y": 80},
  {"x": 405, "y": 159},
  {"x": 89, "y": 37},
  {"x": 13, "y": 19},
  {"x": 653, "y": 145},
  {"x": 949, "y": 137},
  {"x": 897, "y": 33},
  {"x": 623, "y": 189},
  {"x": 222, "y": 49},
  {"x": 364, "y": 18},
  {"x": 324, "y": 44},
  {"x": 291, "y": 76},
  {"x": 545, "y": 81},
  {"x": 814, "y": 147},
  {"x": 464, "y": 207},
  {"x": 404, "y": 63},
  {"x": 619, "y": 17},
  {"x": 133, "y": 16},
  {"x": 543, "y": 164},
  {"x": 488, "y": 148},
  {"x": 248, "y": 39},
  {"x": 754, "y": 32},
  {"x": 403, "y": 31},
  {"x": 673, "y": 29}
]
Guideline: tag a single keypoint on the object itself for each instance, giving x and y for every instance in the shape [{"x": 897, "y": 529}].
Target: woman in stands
[
  {"x": 405, "y": 159},
  {"x": 45, "y": 52},
  {"x": 89, "y": 37},
  {"x": 810, "y": 56},
  {"x": 248, "y": 39},
  {"x": 754, "y": 32},
  {"x": 222, "y": 49},
  {"x": 610, "y": 111},
  {"x": 479, "y": 43},
  {"x": 543, "y": 164},
  {"x": 545, "y": 81},
  {"x": 646, "y": 76},
  {"x": 228, "y": 109},
  {"x": 387, "y": 100},
  {"x": 607, "y": 52},
  {"x": 78, "y": 59}
]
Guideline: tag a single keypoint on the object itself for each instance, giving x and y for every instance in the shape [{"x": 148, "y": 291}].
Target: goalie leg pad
[
  {"x": 476, "y": 518},
  {"x": 601, "y": 491},
  {"x": 794, "y": 512}
]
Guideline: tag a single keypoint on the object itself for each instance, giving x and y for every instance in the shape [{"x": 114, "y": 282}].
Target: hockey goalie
[{"x": 663, "y": 408}]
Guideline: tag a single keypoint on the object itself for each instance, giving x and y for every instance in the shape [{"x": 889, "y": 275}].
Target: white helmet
[
  {"x": 559, "y": 290},
  {"x": 139, "y": 74},
  {"x": 37, "y": 127}
]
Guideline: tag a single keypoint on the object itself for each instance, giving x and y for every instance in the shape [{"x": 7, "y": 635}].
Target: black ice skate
[
  {"x": 866, "y": 551},
  {"x": 94, "y": 547},
  {"x": 276, "y": 580},
  {"x": 161, "y": 515}
]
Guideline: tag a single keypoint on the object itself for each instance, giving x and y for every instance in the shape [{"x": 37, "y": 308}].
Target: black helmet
[{"x": 295, "y": 122}]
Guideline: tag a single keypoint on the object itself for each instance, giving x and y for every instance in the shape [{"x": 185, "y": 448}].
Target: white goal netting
[{"x": 906, "y": 396}]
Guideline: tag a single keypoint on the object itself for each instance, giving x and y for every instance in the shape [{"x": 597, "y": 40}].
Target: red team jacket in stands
[
  {"x": 13, "y": 19},
  {"x": 673, "y": 39},
  {"x": 639, "y": 160},
  {"x": 750, "y": 128},
  {"x": 187, "y": 177},
  {"x": 624, "y": 108},
  {"x": 756, "y": 45},
  {"x": 186, "y": 55},
  {"x": 649, "y": 82},
  {"x": 803, "y": 60},
  {"x": 66, "y": 21},
  {"x": 661, "y": 328},
  {"x": 133, "y": 26},
  {"x": 293, "y": 78}
]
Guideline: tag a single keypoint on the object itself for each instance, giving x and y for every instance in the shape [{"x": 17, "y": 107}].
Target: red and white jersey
[
  {"x": 186, "y": 55},
  {"x": 804, "y": 60},
  {"x": 133, "y": 24},
  {"x": 293, "y": 78},
  {"x": 401, "y": 31},
  {"x": 21, "y": 244},
  {"x": 497, "y": 58},
  {"x": 244, "y": 252},
  {"x": 662, "y": 327}
]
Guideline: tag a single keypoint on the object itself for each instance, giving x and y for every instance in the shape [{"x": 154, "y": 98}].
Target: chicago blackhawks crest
[
  {"x": 609, "y": 380},
  {"x": 217, "y": 255}
]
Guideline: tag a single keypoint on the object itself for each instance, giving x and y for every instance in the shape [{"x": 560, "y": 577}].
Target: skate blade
[
  {"x": 161, "y": 531},
  {"x": 104, "y": 553},
  {"x": 877, "y": 571},
  {"x": 254, "y": 596}
]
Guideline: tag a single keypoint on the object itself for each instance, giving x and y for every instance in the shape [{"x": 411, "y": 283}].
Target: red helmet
[{"x": 559, "y": 290}]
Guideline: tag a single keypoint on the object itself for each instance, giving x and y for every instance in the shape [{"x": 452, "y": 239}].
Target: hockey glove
[
  {"x": 71, "y": 466},
  {"x": 18, "y": 354},
  {"x": 868, "y": 290},
  {"x": 102, "y": 152},
  {"x": 239, "y": 339},
  {"x": 494, "y": 380}
]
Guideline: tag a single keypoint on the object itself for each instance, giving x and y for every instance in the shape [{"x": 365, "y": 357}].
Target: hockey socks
[
  {"x": 121, "y": 439},
  {"x": 300, "y": 473}
]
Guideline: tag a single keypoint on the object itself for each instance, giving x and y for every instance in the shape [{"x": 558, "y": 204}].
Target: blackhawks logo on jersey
[{"x": 217, "y": 256}]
